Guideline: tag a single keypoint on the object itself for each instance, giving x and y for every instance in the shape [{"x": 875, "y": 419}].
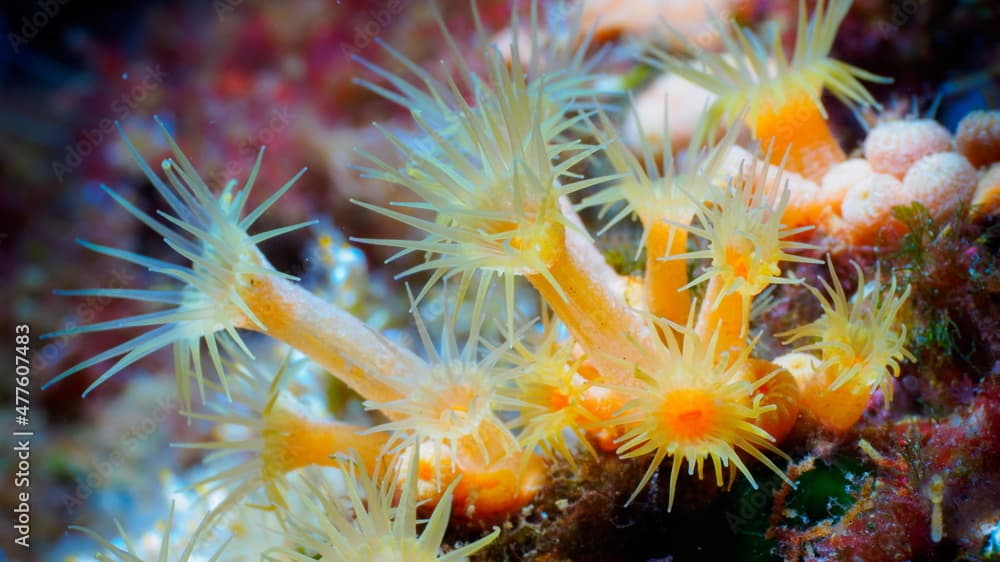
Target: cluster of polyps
[{"x": 649, "y": 373}]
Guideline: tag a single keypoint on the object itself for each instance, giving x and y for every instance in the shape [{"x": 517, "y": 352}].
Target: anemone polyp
[
  {"x": 275, "y": 435},
  {"x": 450, "y": 407},
  {"x": 860, "y": 344},
  {"x": 496, "y": 176},
  {"x": 782, "y": 92},
  {"x": 489, "y": 176},
  {"x": 381, "y": 528},
  {"x": 742, "y": 223},
  {"x": 548, "y": 400},
  {"x": 695, "y": 408},
  {"x": 212, "y": 234},
  {"x": 130, "y": 553}
]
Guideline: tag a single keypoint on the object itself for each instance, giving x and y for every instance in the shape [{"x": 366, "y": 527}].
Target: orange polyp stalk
[
  {"x": 304, "y": 442},
  {"x": 487, "y": 489},
  {"x": 664, "y": 278},
  {"x": 333, "y": 338},
  {"x": 780, "y": 390},
  {"x": 726, "y": 317},
  {"x": 837, "y": 410},
  {"x": 498, "y": 488},
  {"x": 603, "y": 404},
  {"x": 595, "y": 314},
  {"x": 798, "y": 126},
  {"x": 502, "y": 488}
]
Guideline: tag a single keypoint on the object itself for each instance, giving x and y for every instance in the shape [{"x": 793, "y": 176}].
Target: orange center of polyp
[
  {"x": 451, "y": 400},
  {"x": 545, "y": 238},
  {"x": 737, "y": 257},
  {"x": 688, "y": 414},
  {"x": 558, "y": 400}
]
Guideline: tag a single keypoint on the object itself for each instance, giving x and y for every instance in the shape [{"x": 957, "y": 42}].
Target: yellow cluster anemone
[
  {"x": 494, "y": 188},
  {"x": 549, "y": 395},
  {"x": 629, "y": 364},
  {"x": 229, "y": 285},
  {"x": 663, "y": 201},
  {"x": 268, "y": 435},
  {"x": 556, "y": 56},
  {"x": 211, "y": 233},
  {"x": 381, "y": 371},
  {"x": 451, "y": 414},
  {"x": 130, "y": 553},
  {"x": 381, "y": 529},
  {"x": 497, "y": 182},
  {"x": 698, "y": 408},
  {"x": 450, "y": 410},
  {"x": 860, "y": 344},
  {"x": 780, "y": 93},
  {"x": 741, "y": 221}
]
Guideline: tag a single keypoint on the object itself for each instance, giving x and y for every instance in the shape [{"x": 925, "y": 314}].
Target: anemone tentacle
[{"x": 379, "y": 529}]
